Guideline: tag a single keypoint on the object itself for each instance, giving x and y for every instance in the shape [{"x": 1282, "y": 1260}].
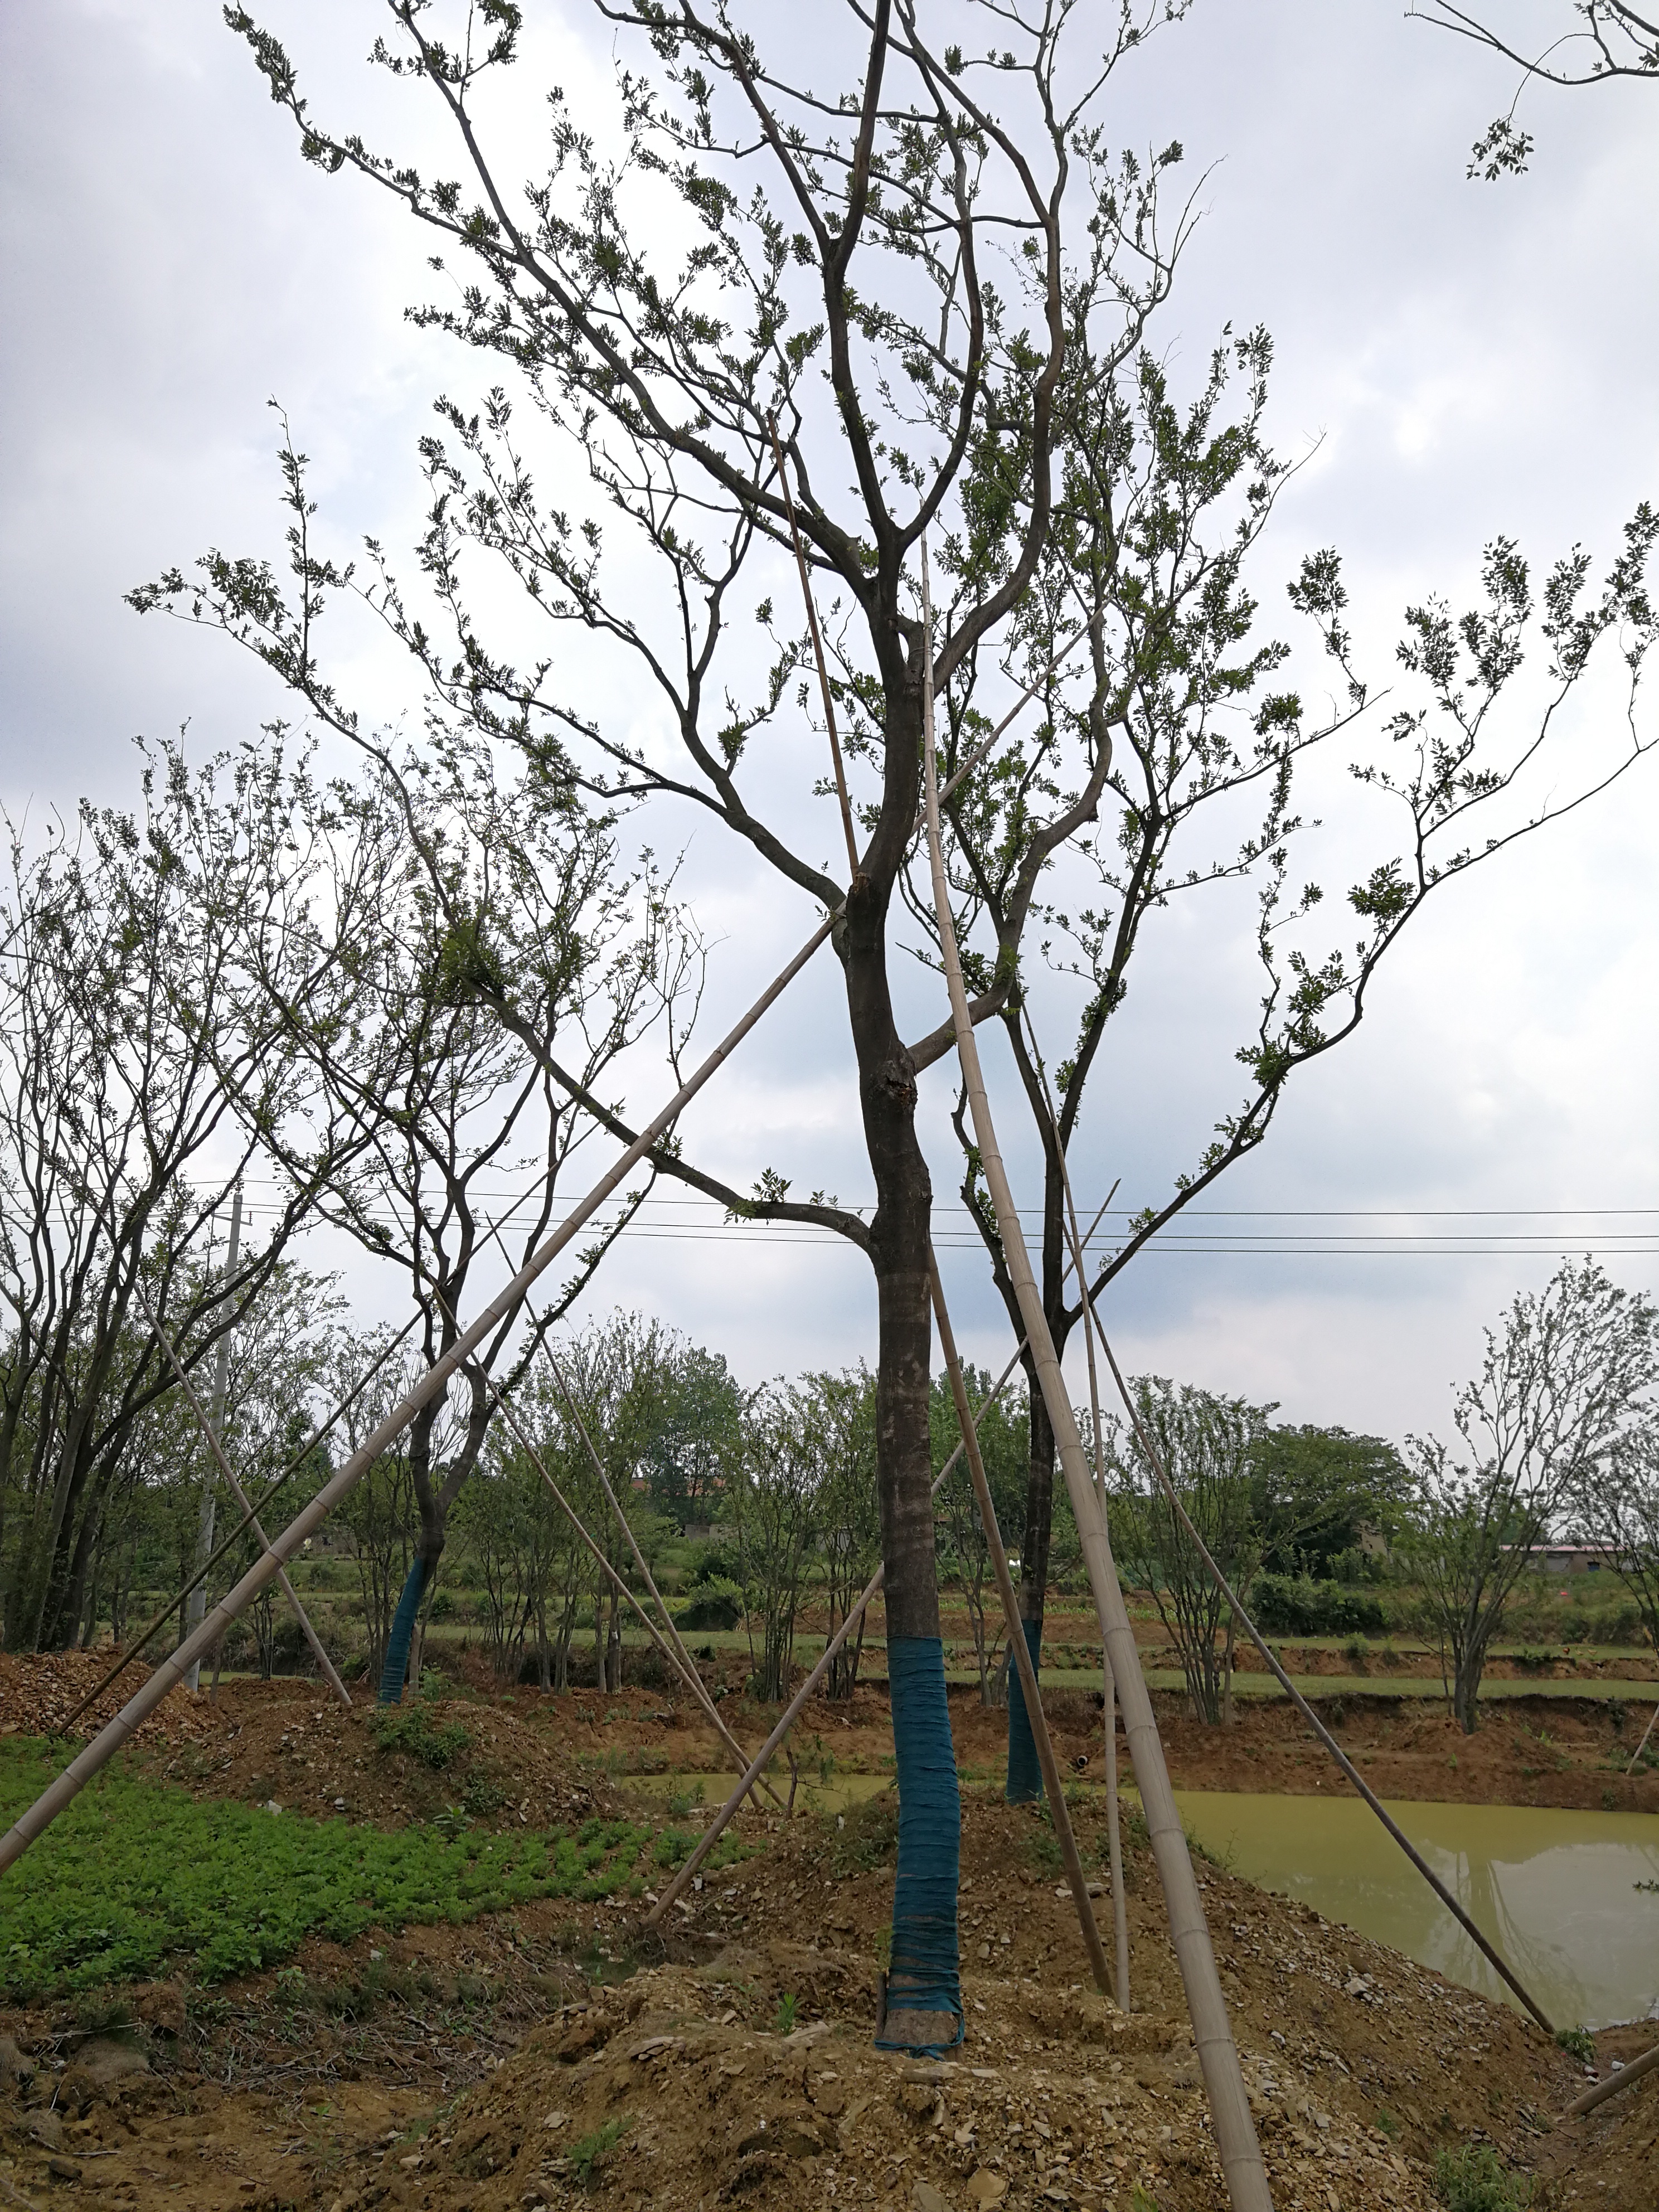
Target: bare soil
[{"x": 562, "y": 2055}]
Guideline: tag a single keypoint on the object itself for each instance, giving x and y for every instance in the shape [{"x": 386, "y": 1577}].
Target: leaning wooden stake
[
  {"x": 1612, "y": 2086},
  {"x": 1120, "y": 1903},
  {"x": 1155, "y": 1461},
  {"x": 240, "y": 1496},
  {"x": 791, "y": 1712},
  {"x": 1017, "y": 1645},
  {"x": 1230, "y": 2106},
  {"x": 109, "y": 1739}
]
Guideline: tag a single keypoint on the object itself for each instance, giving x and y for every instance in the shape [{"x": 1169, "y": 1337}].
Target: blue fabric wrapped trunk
[{"x": 924, "y": 1976}]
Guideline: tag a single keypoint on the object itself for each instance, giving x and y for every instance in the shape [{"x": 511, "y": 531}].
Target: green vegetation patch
[
  {"x": 1475, "y": 2180},
  {"x": 137, "y": 1878}
]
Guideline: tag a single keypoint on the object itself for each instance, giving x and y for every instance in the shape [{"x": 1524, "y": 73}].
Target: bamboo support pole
[
  {"x": 1119, "y": 1902},
  {"x": 1643, "y": 1746},
  {"x": 791, "y": 1712},
  {"x": 1613, "y": 2084},
  {"x": 330, "y": 1673},
  {"x": 1230, "y": 2107},
  {"x": 242, "y": 1526},
  {"x": 1061, "y": 1813},
  {"x": 45, "y": 1808},
  {"x": 1487, "y": 1950}
]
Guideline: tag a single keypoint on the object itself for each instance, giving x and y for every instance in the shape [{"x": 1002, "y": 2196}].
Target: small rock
[
  {"x": 987, "y": 2188},
  {"x": 63, "y": 2169},
  {"x": 926, "y": 2198}
]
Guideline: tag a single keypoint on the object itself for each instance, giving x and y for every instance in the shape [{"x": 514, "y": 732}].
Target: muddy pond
[{"x": 1570, "y": 1898}]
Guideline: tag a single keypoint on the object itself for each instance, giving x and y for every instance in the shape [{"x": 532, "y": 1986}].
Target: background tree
[
  {"x": 433, "y": 882},
  {"x": 772, "y": 1509},
  {"x": 1620, "y": 1508},
  {"x": 1208, "y": 1446},
  {"x": 1320, "y": 1494},
  {"x": 1562, "y": 1386},
  {"x": 841, "y": 1412},
  {"x": 135, "y": 1049},
  {"x": 697, "y": 1435}
]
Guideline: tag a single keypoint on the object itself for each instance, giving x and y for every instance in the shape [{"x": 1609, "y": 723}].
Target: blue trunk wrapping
[
  {"x": 924, "y": 1975},
  {"x": 1025, "y": 1775},
  {"x": 403, "y": 1628}
]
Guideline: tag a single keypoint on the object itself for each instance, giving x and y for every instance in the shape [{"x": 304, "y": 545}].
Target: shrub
[
  {"x": 1473, "y": 2180},
  {"x": 716, "y": 1602},
  {"x": 1296, "y": 1605},
  {"x": 410, "y": 1728},
  {"x": 866, "y": 1834}
]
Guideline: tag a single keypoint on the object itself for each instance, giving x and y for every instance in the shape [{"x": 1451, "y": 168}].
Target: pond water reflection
[{"x": 1555, "y": 1891}]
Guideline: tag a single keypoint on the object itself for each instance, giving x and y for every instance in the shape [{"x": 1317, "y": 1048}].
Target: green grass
[
  {"x": 137, "y": 1878},
  {"x": 1475, "y": 2180}
]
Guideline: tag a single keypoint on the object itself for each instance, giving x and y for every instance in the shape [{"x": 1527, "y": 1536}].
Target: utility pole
[{"x": 196, "y": 1607}]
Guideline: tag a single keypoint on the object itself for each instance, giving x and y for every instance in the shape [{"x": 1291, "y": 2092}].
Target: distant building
[{"x": 1571, "y": 1558}]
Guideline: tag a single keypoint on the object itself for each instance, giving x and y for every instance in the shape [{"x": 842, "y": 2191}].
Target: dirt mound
[
  {"x": 40, "y": 1691},
  {"x": 752, "y": 2079},
  {"x": 288, "y": 1741}
]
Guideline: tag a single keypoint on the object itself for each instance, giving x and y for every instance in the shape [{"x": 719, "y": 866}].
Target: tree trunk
[
  {"x": 1024, "y": 1783},
  {"x": 924, "y": 1995}
]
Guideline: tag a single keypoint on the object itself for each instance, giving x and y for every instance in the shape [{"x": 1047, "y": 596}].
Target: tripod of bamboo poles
[
  {"x": 330, "y": 1673},
  {"x": 1093, "y": 1328},
  {"x": 229, "y": 1543},
  {"x": 95, "y": 1755},
  {"x": 1230, "y": 2108}
]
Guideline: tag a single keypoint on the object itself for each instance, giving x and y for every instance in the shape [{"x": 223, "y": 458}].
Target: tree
[
  {"x": 1620, "y": 1509},
  {"x": 903, "y": 279},
  {"x": 773, "y": 1507},
  {"x": 1159, "y": 510},
  {"x": 420, "y": 886},
  {"x": 841, "y": 1410},
  {"x": 1615, "y": 40},
  {"x": 697, "y": 1435},
  {"x": 132, "y": 1044},
  {"x": 1319, "y": 1494},
  {"x": 1560, "y": 1390},
  {"x": 1206, "y": 1445}
]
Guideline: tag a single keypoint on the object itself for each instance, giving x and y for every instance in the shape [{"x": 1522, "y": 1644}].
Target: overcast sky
[{"x": 1470, "y": 359}]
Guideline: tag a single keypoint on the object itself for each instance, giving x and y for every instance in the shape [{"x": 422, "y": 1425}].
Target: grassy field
[{"x": 138, "y": 1879}]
